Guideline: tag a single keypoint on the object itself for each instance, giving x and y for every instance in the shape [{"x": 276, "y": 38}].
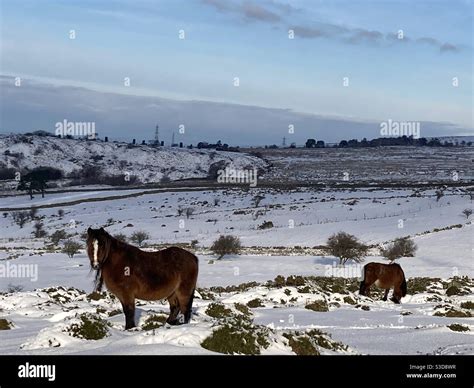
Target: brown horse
[
  {"x": 129, "y": 273},
  {"x": 384, "y": 276}
]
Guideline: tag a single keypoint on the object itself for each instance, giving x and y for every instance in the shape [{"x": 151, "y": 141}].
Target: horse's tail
[
  {"x": 362, "y": 281},
  {"x": 404, "y": 286}
]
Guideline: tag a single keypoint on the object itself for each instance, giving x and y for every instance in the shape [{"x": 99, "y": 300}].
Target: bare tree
[
  {"x": 401, "y": 247},
  {"x": 38, "y": 231},
  {"x": 139, "y": 237},
  {"x": 226, "y": 245},
  {"x": 20, "y": 218},
  {"x": 467, "y": 213},
  {"x": 346, "y": 247},
  {"x": 71, "y": 248}
]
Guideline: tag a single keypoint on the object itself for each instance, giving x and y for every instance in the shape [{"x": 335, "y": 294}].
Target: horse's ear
[{"x": 89, "y": 230}]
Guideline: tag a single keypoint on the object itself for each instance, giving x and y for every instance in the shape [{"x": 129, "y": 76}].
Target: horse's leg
[
  {"x": 185, "y": 297},
  {"x": 174, "y": 309},
  {"x": 397, "y": 295},
  {"x": 386, "y": 294},
  {"x": 129, "y": 311}
]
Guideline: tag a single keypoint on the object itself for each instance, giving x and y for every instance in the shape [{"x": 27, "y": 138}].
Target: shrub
[
  {"x": 189, "y": 212},
  {"x": 121, "y": 237},
  {"x": 467, "y": 212},
  {"x": 20, "y": 218},
  {"x": 33, "y": 213},
  {"x": 218, "y": 310},
  {"x": 154, "y": 322},
  {"x": 225, "y": 245},
  {"x": 401, "y": 247},
  {"x": 266, "y": 225},
  {"x": 346, "y": 247},
  {"x": 318, "y": 305},
  {"x": 90, "y": 327},
  {"x": 57, "y": 236},
  {"x": 4, "y": 324},
  {"x": 458, "y": 327},
  {"x": 60, "y": 213},
  {"x": 139, "y": 237},
  {"x": 71, "y": 248},
  {"x": 254, "y": 303},
  {"x": 237, "y": 336},
  {"x": 467, "y": 305},
  {"x": 38, "y": 231}
]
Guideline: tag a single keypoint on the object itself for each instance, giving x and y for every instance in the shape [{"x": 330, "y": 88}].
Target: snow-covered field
[{"x": 43, "y": 315}]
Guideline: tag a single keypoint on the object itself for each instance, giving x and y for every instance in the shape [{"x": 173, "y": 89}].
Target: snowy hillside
[{"x": 147, "y": 164}]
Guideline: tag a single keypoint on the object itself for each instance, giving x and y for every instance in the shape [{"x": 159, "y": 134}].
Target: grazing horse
[
  {"x": 384, "y": 276},
  {"x": 129, "y": 273}
]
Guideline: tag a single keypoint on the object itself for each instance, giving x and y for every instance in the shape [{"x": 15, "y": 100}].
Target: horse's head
[{"x": 98, "y": 246}]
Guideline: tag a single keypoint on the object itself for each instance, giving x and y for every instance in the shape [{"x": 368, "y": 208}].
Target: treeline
[{"x": 387, "y": 141}]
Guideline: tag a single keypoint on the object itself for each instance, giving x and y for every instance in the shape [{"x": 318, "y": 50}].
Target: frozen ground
[{"x": 305, "y": 218}]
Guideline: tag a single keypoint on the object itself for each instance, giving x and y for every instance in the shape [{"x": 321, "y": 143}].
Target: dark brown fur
[
  {"x": 130, "y": 273},
  {"x": 384, "y": 276}
]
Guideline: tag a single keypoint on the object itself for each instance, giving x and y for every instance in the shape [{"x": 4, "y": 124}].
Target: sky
[{"x": 241, "y": 71}]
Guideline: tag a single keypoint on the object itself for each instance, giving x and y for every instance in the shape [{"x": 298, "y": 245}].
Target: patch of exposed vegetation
[
  {"x": 451, "y": 312},
  {"x": 349, "y": 300},
  {"x": 467, "y": 305},
  {"x": 218, "y": 310},
  {"x": 5, "y": 324},
  {"x": 420, "y": 284},
  {"x": 254, "y": 303},
  {"x": 243, "y": 309},
  {"x": 154, "y": 322},
  {"x": 238, "y": 336},
  {"x": 308, "y": 343},
  {"x": 317, "y": 305},
  {"x": 458, "y": 327},
  {"x": 90, "y": 327}
]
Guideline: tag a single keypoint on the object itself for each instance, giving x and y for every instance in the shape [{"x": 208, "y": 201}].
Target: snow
[{"x": 304, "y": 217}]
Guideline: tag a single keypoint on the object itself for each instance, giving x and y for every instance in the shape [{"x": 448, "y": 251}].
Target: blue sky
[{"x": 409, "y": 79}]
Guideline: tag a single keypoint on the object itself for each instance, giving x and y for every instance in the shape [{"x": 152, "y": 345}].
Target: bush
[
  {"x": 318, "y": 305},
  {"x": 225, "y": 245},
  {"x": 4, "y": 324},
  {"x": 71, "y": 248},
  {"x": 139, "y": 237},
  {"x": 90, "y": 328},
  {"x": 20, "y": 218},
  {"x": 218, "y": 310},
  {"x": 237, "y": 336},
  {"x": 121, "y": 237},
  {"x": 254, "y": 303},
  {"x": 401, "y": 247},
  {"x": 154, "y": 322},
  {"x": 194, "y": 244},
  {"x": 58, "y": 235},
  {"x": 38, "y": 231},
  {"x": 467, "y": 212},
  {"x": 458, "y": 327},
  {"x": 60, "y": 213},
  {"x": 266, "y": 225},
  {"x": 346, "y": 247}
]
